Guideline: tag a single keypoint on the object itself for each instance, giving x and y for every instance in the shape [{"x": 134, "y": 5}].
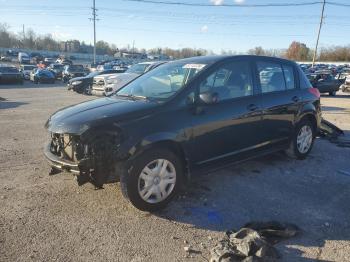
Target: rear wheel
[
  {"x": 333, "y": 93},
  {"x": 153, "y": 179},
  {"x": 302, "y": 140}
]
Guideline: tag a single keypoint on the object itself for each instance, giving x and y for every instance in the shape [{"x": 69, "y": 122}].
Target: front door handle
[
  {"x": 295, "y": 99},
  {"x": 252, "y": 107}
]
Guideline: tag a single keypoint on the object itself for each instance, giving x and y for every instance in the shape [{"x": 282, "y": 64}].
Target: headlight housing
[
  {"x": 110, "y": 81},
  {"x": 75, "y": 83}
]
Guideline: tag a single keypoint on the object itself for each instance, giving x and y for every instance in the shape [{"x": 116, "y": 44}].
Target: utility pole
[
  {"x": 94, "y": 15},
  {"x": 318, "y": 35},
  {"x": 24, "y": 34}
]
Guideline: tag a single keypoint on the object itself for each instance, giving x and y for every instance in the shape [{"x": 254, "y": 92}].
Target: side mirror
[{"x": 209, "y": 98}]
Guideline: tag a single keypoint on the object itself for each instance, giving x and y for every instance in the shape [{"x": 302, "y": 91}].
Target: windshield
[
  {"x": 58, "y": 66},
  {"x": 76, "y": 68},
  {"x": 163, "y": 82},
  {"x": 138, "y": 68},
  {"x": 92, "y": 74},
  {"x": 28, "y": 67}
]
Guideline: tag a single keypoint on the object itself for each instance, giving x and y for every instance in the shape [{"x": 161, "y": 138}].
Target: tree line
[{"x": 296, "y": 51}]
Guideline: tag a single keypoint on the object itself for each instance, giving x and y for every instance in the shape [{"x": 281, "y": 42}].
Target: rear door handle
[
  {"x": 295, "y": 99},
  {"x": 252, "y": 107}
]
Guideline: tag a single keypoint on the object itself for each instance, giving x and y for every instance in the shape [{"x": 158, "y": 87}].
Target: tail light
[{"x": 315, "y": 92}]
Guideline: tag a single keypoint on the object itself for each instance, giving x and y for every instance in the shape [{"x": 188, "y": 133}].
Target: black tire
[
  {"x": 333, "y": 93},
  {"x": 293, "y": 150},
  {"x": 129, "y": 180}
]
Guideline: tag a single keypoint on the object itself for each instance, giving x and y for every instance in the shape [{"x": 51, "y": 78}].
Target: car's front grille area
[
  {"x": 98, "y": 84},
  {"x": 67, "y": 147}
]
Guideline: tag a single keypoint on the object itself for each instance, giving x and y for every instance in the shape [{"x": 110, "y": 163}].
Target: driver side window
[{"x": 232, "y": 80}]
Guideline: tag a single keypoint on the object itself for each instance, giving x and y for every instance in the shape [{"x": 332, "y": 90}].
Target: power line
[
  {"x": 227, "y": 5},
  {"x": 94, "y": 15},
  {"x": 318, "y": 35}
]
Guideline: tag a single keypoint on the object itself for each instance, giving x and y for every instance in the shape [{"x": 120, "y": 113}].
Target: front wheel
[
  {"x": 333, "y": 93},
  {"x": 302, "y": 140},
  {"x": 153, "y": 179}
]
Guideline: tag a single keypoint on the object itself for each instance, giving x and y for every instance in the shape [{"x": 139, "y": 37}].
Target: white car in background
[
  {"x": 108, "y": 84},
  {"x": 25, "y": 70}
]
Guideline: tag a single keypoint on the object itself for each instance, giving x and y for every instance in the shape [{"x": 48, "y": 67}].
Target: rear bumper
[{"x": 59, "y": 163}]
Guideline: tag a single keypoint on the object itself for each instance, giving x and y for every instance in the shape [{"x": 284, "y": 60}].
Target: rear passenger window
[
  {"x": 289, "y": 76},
  {"x": 271, "y": 77}
]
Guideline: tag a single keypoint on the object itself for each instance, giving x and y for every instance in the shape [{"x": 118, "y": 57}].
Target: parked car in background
[
  {"x": 72, "y": 71},
  {"x": 346, "y": 86},
  {"x": 325, "y": 82},
  {"x": 187, "y": 115},
  {"x": 57, "y": 69},
  {"x": 43, "y": 64},
  {"x": 5, "y": 58},
  {"x": 64, "y": 61},
  {"x": 108, "y": 84},
  {"x": 36, "y": 57},
  {"x": 49, "y": 59},
  {"x": 23, "y": 58},
  {"x": 12, "y": 53},
  {"x": 10, "y": 74},
  {"x": 41, "y": 75},
  {"x": 82, "y": 85},
  {"x": 25, "y": 70}
]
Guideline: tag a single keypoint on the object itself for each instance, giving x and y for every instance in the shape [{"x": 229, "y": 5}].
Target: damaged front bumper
[
  {"x": 95, "y": 162},
  {"x": 58, "y": 163}
]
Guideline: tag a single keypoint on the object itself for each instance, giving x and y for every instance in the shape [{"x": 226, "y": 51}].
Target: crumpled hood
[
  {"x": 81, "y": 117},
  {"x": 81, "y": 78}
]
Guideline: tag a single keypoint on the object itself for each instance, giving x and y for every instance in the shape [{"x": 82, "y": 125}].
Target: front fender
[{"x": 150, "y": 140}]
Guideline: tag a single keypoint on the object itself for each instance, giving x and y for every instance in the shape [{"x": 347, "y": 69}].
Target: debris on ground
[
  {"x": 329, "y": 130},
  {"x": 343, "y": 172},
  {"x": 253, "y": 242},
  {"x": 333, "y": 133}
]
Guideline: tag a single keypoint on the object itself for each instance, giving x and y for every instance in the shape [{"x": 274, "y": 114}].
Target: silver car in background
[{"x": 108, "y": 84}]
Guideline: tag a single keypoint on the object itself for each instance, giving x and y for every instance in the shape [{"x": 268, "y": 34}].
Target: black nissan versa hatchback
[{"x": 182, "y": 117}]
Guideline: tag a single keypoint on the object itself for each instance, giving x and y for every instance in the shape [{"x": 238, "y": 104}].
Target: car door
[
  {"x": 230, "y": 124},
  {"x": 281, "y": 99}
]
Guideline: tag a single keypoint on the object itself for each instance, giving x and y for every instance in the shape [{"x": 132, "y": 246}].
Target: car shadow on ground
[
  {"x": 270, "y": 188},
  {"x": 333, "y": 108},
  {"x": 31, "y": 85},
  {"x": 5, "y": 104},
  {"x": 343, "y": 95}
]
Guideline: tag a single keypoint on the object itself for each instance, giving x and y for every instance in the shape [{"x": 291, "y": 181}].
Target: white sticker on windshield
[{"x": 194, "y": 66}]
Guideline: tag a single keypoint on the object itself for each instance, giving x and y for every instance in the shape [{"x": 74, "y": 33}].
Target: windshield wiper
[{"x": 134, "y": 97}]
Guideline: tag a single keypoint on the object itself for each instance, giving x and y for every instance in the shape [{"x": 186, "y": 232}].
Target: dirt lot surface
[{"x": 44, "y": 218}]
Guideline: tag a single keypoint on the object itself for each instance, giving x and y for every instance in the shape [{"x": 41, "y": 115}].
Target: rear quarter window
[{"x": 303, "y": 80}]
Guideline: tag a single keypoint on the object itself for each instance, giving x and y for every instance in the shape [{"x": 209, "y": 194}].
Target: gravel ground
[{"x": 44, "y": 218}]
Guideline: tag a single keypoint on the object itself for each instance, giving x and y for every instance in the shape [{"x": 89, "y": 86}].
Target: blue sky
[{"x": 150, "y": 25}]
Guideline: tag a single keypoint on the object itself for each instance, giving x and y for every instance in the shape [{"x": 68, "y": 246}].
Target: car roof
[{"x": 216, "y": 58}]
